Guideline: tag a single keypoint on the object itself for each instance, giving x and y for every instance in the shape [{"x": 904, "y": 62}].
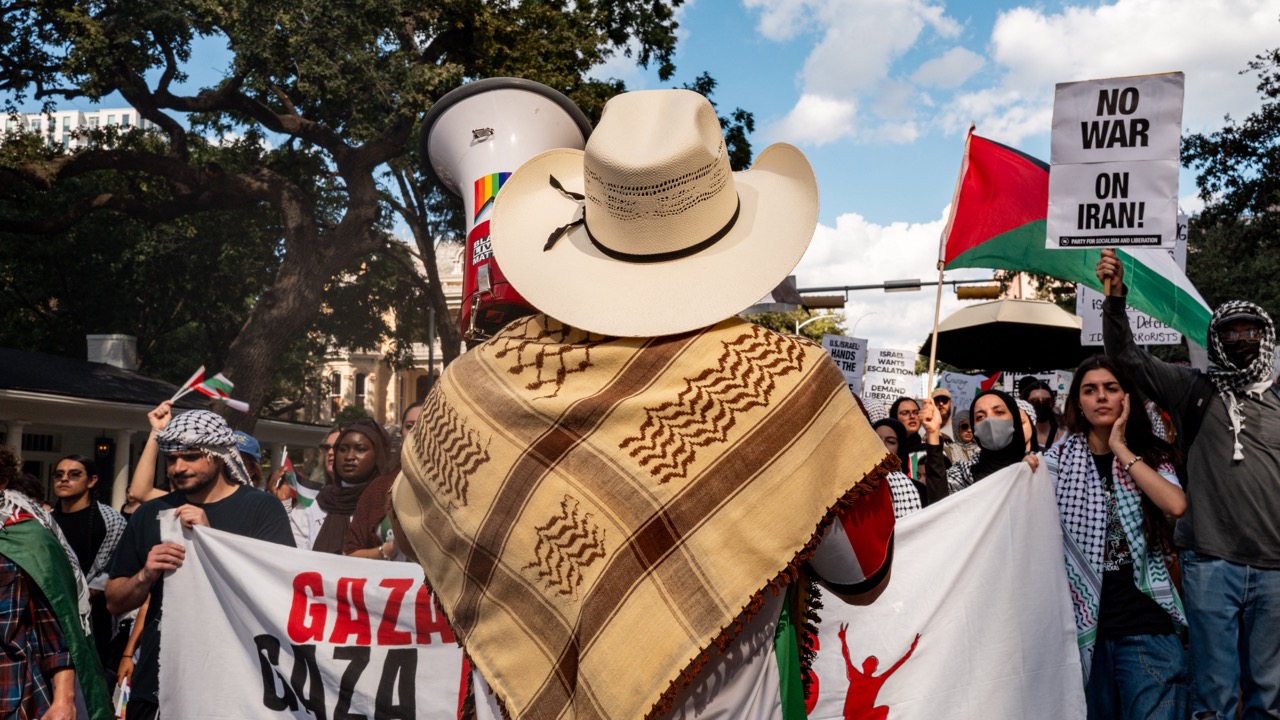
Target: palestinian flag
[
  {"x": 998, "y": 221},
  {"x": 303, "y": 490},
  {"x": 219, "y": 387},
  {"x": 191, "y": 384}
]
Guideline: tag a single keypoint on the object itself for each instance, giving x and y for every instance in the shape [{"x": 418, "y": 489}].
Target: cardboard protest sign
[
  {"x": 850, "y": 354},
  {"x": 890, "y": 374},
  {"x": 1146, "y": 329},
  {"x": 1113, "y": 177},
  {"x": 254, "y": 630},
  {"x": 963, "y": 387}
]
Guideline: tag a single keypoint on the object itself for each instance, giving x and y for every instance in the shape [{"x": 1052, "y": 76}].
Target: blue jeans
[
  {"x": 1234, "y": 616},
  {"x": 1138, "y": 677}
]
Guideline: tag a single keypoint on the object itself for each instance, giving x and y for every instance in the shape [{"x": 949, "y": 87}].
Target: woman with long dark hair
[{"x": 1115, "y": 482}]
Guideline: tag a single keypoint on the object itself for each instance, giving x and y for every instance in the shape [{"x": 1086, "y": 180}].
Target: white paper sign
[
  {"x": 1113, "y": 180},
  {"x": 1117, "y": 119},
  {"x": 890, "y": 374},
  {"x": 1146, "y": 329},
  {"x": 850, "y": 354}
]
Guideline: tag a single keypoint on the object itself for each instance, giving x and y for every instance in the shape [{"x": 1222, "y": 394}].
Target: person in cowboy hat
[
  {"x": 615, "y": 500},
  {"x": 211, "y": 488}
]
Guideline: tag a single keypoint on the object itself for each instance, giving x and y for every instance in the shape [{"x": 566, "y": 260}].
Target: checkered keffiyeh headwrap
[
  {"x": 1232, "y": 381},
  {"x": 208, "y": 432}
]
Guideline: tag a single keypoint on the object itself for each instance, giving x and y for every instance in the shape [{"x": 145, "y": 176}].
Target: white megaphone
[{"x": 472, "y": 139}]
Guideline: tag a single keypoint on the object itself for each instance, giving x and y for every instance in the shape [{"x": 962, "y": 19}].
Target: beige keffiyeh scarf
[{"x": 594, "y": 513}]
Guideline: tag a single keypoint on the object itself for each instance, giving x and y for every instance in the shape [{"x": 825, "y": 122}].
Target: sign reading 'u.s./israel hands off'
[{"x": 1113, "y": 178}]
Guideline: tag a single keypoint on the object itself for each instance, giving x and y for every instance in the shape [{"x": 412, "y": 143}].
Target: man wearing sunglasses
[{"x": 1228, "y": 425}]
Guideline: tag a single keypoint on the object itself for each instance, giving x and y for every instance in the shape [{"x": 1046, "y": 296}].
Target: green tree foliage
[
  {"x": 832, "y": 323},
  {"x": 337, "y": 86},
  {"x": 1232, "y": 251}
]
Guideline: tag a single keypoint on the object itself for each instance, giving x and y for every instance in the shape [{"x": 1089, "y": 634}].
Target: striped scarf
[
  {"x": 595, "y": 513},
  {"x": 1082, "y": 506},
  {"x": 1231, "y": 381}
]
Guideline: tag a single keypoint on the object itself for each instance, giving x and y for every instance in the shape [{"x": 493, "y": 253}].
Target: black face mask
[
  {"x": 1044, "y": 410},
  {"x": 1241, "y": 354}
]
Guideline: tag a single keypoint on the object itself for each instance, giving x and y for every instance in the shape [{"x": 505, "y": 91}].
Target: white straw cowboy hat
[{"x": 673, "y": 240}]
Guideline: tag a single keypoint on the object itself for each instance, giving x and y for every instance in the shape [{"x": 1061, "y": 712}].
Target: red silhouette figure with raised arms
[{"x": 860, "y": 702}]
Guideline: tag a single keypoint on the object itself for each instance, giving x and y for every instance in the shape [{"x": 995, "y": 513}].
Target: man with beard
[
  {"x": 210, "y": 488},
  {"x": 1228, "y": 424}
]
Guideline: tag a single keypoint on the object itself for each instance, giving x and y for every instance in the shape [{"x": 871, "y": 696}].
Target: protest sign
[
  {"x": 955, "y": 634},
  {"x": 890, "y": 374},
  {"x": 1113, "y": 177},
  {"x": 963, "y": 388},
  {"x": 1146, "y": 329},
  {"x": 254, "y": 630},
  {"x": 850, "y": 354}
]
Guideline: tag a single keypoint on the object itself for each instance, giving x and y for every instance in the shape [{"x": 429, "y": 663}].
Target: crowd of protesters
[
  {"x": 90, "y": 620},
  {"x": 1173, "y": 621}
]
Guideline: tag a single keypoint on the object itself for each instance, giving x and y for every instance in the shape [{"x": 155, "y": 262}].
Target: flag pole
[
  {"x": 186, "y": 386},
  {"x": 942, "y": 257}
]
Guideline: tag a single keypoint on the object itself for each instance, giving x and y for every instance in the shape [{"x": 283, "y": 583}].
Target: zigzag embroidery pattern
[
  {"x": 567, "y": 546},
  {"x": 451, "y": 449},
  {"x": 706, "y": 410},
  {"x": 550, "y": 356}
]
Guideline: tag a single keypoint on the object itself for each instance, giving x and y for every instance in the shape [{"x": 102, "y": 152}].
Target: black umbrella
[{"x": 1013, "y": 335}]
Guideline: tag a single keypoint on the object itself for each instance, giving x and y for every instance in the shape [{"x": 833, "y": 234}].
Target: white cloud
[
  {"x": 1032, "y": 50},
  {"x": 864, "y": 56},
  {"x": 815, "y": 120},
  {"x": 857, "y": 45},
  {"x": 857, "y": 252},
  {"x": 949, "y": 70}
]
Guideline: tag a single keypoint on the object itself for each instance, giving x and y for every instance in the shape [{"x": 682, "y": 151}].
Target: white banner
[
  {"x": 256, "y": 630},
  {"x": 1146, "y": 329},
  {"x": 850, "y": 354},
  {"x": 975, "y": 622},
  {"x": 1113, "y": 179}
]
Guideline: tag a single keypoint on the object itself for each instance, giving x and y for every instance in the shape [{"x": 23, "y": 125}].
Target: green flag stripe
[{"x": 1022, "y": 249}]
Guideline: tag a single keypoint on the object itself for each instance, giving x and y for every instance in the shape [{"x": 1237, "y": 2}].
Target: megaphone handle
[{"x": 472, "y": 332}]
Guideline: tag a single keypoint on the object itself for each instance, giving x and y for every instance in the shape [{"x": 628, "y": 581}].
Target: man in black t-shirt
[{"x": 210, "y": 488}]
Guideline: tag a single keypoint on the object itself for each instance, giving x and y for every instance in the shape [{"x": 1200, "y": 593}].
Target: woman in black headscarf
[
  {"x": 908, "y": 495},
  {"x": 997, "y": 428}
]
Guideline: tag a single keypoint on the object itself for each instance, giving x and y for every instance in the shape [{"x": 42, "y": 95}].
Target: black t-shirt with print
[
  {"x": 1125, "y": 610},
  {"x": 248, "y": 512}
]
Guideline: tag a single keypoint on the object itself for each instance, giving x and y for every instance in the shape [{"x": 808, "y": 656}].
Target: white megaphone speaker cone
[{"x": 472, "y": 139}]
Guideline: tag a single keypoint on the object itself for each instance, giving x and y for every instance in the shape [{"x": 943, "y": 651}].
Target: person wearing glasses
[
  {"x": 1228, "y": 425},
  {"x": 93, "y": 530}
]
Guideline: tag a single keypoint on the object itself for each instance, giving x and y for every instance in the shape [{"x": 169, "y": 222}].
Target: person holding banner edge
[
  {"x": 211, "y": 488},
  {"x": 1228, "y": 425}
]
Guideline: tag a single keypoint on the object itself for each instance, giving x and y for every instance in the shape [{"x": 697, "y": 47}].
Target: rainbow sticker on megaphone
[{"x": 486, "y": 189}]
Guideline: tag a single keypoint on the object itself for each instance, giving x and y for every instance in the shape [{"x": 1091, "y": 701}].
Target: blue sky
[{"x": 879, "y": 93}]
